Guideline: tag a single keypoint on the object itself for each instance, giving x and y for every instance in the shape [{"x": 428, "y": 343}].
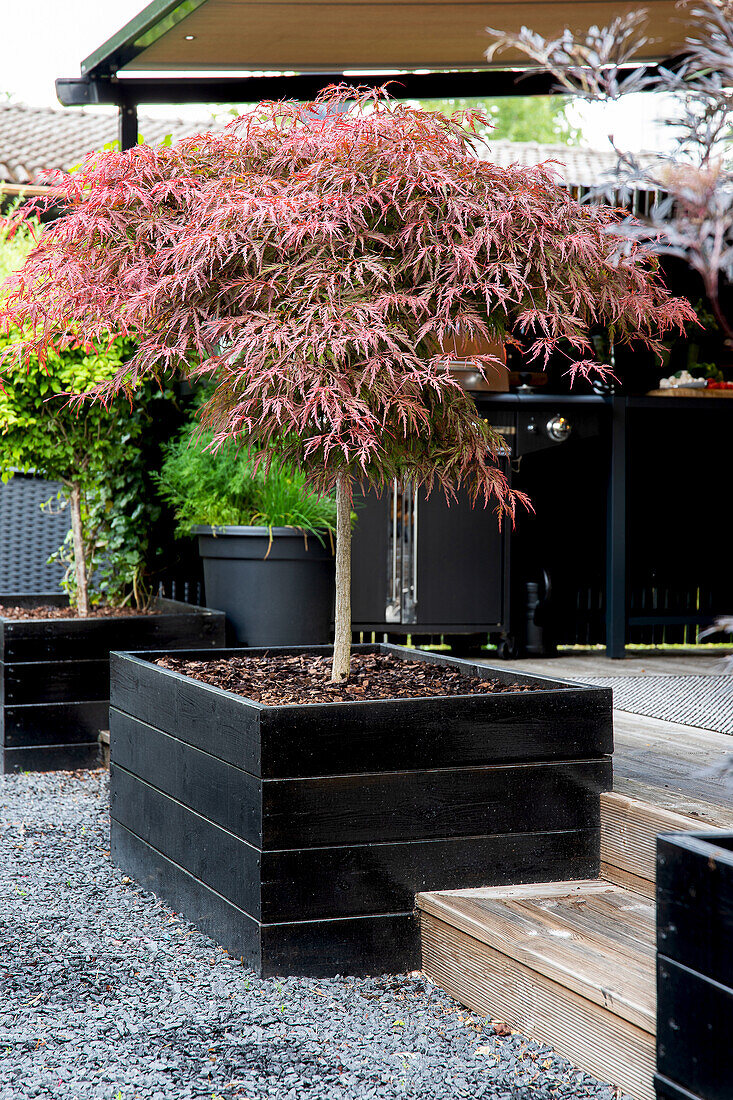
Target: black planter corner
[
  {"x": 54, "y": 676},
  {"x": 694, "y": 965},
  {"x": 298, "y": 836}
]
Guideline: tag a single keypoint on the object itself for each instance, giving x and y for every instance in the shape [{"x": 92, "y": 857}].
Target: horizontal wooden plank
[
  {"x": 598, "y": 942},
  {"x": 85, "y": 639},
  {"x": 227, "y": 864},
  {"x": 568, "y": 888},
  {"x": 362, "y": 945},
  {"x": 618, "y": 877},
  {"x": 685, "y": 761},
  {"x": 389, "y": 943},
  {"x": 202, "y": 716},
  {"x": 392, "y": 806},
  {"x": 695, "y": 1023},
  {"x": 378, "y": 878},
  {"x": 487, "y": 981},
  {"x": 695, "y": 902},
  {"x": 398, "y": 734},
  {"x": 55, "y": 681},
  {"x": 51, "y": 758},
  {"x": 702, "y": 813},
  {"x": 216, "y": 790},
  {"x": 212, "y": 914},
  {"x": 39, "y": 724},
  {"x": 629, "y": 830}
]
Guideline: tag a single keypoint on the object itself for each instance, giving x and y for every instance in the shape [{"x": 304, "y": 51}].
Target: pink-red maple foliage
[{"x": 314, "y": 259}]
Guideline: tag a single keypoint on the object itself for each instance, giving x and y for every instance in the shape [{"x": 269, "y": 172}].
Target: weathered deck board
[
  {"x": 596, "y": 956},
  {"x": 684, "y": 761},
  {"x": 629, "y": 827},
  {"x": 711, "y": 815},
  {"x": 580, "y": 980}
]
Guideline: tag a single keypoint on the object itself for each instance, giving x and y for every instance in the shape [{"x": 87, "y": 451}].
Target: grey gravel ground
[{"x": 105, "y": 993}]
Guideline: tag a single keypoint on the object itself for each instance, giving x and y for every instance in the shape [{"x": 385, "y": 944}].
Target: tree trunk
[
  {"x": 342, "y": 631},
  {"x": 80, "y": 565}
]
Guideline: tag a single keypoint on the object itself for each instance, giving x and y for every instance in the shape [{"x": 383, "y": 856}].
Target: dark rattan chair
[{"x": 28, "y": 537}]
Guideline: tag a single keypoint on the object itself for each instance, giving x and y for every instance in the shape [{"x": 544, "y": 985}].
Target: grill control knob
[{"x": 558, "y": 428}]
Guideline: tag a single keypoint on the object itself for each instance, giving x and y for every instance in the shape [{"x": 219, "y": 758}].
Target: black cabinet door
[
  {"x": 369, "y": 558},
  {"x": 460, "y": 572},
  {"x": 461, "y": 563}
]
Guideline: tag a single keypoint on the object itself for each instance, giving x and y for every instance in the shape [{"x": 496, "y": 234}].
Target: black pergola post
[
  {"x": 616, "y": 552},
  {"x": 128, "y": 125}
]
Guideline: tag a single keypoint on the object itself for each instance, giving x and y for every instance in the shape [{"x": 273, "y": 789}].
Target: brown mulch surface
[
  {"x": 277, "y": 680},
  {"x": 48, "y": 611}
]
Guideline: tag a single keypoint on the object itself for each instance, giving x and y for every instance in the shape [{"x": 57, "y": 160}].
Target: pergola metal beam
[{"x": 81, "y": 92}]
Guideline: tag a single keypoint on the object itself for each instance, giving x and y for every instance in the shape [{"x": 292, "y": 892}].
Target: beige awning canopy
[
  {"x": 334, "y": 35},
  {"x": 296, "y": 46}
]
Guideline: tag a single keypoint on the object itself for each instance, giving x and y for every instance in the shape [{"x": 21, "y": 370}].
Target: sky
[{"x": 43, "y": 39}]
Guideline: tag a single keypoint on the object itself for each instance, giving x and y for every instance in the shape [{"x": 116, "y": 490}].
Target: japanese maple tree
[{"x": 314, "y": 260}]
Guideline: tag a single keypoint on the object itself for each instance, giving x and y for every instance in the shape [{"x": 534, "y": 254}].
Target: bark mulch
[
  {"x": 51, "y": 611},
  {"x": 278, "y": 680}
]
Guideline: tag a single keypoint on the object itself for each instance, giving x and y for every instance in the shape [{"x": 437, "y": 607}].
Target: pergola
[{"x": 242, "y": 51}]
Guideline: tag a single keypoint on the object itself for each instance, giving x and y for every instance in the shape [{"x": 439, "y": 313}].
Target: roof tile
[{"x": 36, "y": 139}]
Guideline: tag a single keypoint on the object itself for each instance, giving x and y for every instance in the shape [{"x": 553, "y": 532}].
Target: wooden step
[
  {"x": 571, "y": 964},
  {"x": 632, "y": 815}
]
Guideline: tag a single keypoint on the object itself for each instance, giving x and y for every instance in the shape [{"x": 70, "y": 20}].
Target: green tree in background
[
  {"x": 518, "y": 118},
  {"x": 94, "y": 453}
]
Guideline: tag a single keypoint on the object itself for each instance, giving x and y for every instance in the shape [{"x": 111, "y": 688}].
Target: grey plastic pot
[{"x": 284, "y": 597}]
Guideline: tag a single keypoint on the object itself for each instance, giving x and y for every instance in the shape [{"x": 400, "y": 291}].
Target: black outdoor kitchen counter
[{"x": 660, "y": 471}]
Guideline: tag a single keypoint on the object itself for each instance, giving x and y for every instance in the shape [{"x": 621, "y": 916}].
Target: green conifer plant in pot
[
  {"x": 314, "y": 261},
  {"x": 265, "y": 537}
]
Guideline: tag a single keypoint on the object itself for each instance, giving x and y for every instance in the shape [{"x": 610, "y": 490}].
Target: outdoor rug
[{"x": 702, "y": 701}]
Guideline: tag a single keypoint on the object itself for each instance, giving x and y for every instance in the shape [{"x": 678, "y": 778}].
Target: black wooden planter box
[
  {"x": 694, "y": 966},
  {"x": 54, "y": 676},
  {"x": 298, "y": 836}
]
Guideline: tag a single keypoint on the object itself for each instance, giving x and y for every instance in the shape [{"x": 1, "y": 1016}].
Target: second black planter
[
  {"x": 54, "y": 676},
  {"x": 276, "y": 584}
]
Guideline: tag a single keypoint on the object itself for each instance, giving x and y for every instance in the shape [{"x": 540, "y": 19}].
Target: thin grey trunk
[
  {"x": 80, "y": 565},
  {"x": 342, "y": 631}
]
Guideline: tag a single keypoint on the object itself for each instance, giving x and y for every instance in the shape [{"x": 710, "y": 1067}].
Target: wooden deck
[{"x": 573, "y": 963}]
